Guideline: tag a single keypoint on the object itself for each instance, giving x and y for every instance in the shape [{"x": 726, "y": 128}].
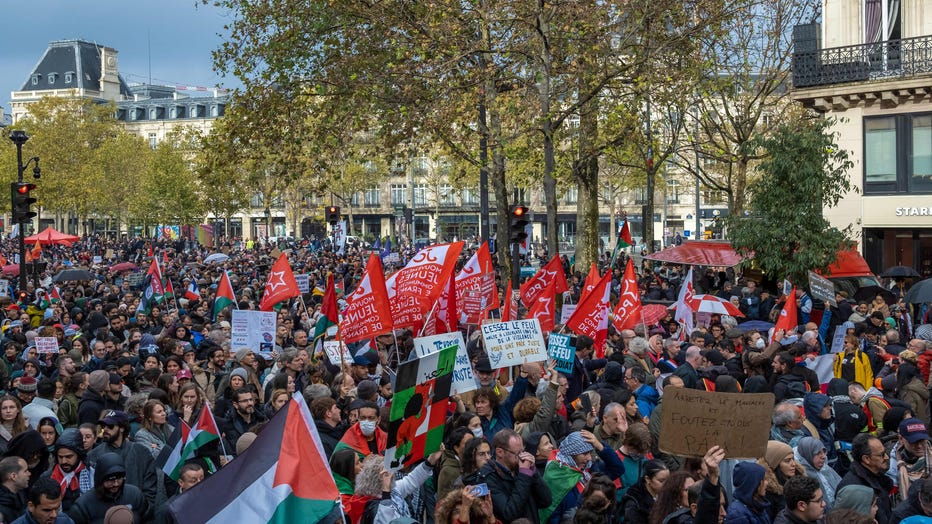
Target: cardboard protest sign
[
  {"x": 822, "y": 288},
  {"x": 46, "y": 345},
  {"x": 253, "y": 329},
  {"x": 304, "y": 285},
  {"x": 514, "y": 343},
  {"x": 419, "y": 408},
  {"x": 692, "y": 421},
  {"x": 463, "y": 379},
  {"x": 562, "y": 348}
]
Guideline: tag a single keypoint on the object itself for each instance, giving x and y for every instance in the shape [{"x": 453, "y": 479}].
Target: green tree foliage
[
  {"x": 803, "y": 173},
  {"x": 168, "y": 191}
]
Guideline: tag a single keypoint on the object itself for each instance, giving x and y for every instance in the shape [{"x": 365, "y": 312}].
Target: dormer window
[
  {"x": 69, "y": 77},
  {"x": 52, "y": 77},
  {"x": 36, "y": 79}
]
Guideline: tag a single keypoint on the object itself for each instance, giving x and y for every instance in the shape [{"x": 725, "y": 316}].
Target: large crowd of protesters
[{"x": 81, "y": 429}]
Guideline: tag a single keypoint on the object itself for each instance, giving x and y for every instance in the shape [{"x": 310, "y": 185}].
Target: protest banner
[
  {"x": 46, "y": 345},
  {"x": 339, "y": 236},
  {"x": 463, "y": 379},
  {"x": 97, "y": 260},
  {"x": 693, "y": 421},
  {"x": 514, "y": 343},
  {"x": 304, "y": 285},
  {"x": 838, "y": 339},
  {"x": 413, "y": 290},
  {"x": 419, "y": 408},
  {"x": 562, "y": 348},
  {"x": 566, "y": 312},
  {"x": 822, "y": 288},
  {"x": 4, "y": 288},
  {"x": 337, "y": 357},
  {"x": 253, "y": 329}
]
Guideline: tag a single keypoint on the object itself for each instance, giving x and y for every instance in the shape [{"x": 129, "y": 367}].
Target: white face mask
[
  {"x": 367, "y": 427},
  {"x": 477, "y": 432},
  {"x": 760, "y": 343}
]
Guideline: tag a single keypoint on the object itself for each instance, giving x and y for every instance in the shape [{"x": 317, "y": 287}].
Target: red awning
[
  {"x": 699, "y": 253},
  {"x": 51, "y": 236},
  {"x": 849, "y": 263}
]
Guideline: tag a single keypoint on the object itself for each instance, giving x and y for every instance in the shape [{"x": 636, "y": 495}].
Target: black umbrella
[
  {"x": 868, "y": 293},
  {"x": 73, "y": 274},
  {"x": 920, "y": 293},
  {"x": 900, "y": 272}
]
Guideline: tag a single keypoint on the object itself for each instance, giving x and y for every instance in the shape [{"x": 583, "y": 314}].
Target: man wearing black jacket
[
  {"x": 328, "y": 418},
  {"x": 516, "y": 488}
]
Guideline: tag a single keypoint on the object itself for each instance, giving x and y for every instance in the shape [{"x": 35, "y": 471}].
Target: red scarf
[{"x": 59, "y": 476}]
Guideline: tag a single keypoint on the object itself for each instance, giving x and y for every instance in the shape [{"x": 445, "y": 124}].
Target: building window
[
  {"x": 256, "y": 200},
  {"x": 713, "y": 197},
  {"x": 571, "y": 196},
  {"x": 153, "y": 140},
  {"x": 470, "y": 197},
  {"x": 447, "y": 197},
  {"x": 640, "y": 196},
  {"x": 420, "y": 195},
  {"x": 373, "y": 196},
  {"x": 673, "y": 191},
  {"x": 213, "y": 111},
  {"x": 898, "y": 154},
  {"x": 354, "y": 200},
  {"x": 52, "y": 77},
  {"x": 399, "y": 195},
  {"x": 880, "y": 150},
  {"x": 153, "y": 114},
  {"x": 35, "y": 79},
  {"x": 69, "y": 76}
]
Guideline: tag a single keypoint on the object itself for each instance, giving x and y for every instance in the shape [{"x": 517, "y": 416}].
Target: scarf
[{"x": 68, "y": 481}]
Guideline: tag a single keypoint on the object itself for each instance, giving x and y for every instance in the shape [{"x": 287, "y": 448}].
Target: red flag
[
  {"x": 156, "y": 278},
  {"x": 367, "y": 312},
  {"x": 151, "y": 252},
  {"x": 447, "y": 318},
  {"x": 532, "y": 289},
  {"x": 545, "y": 309},
  {"x": 510, "y": 310},
  {"x": 787, "y": 320},
  {"x": 628, "y": 311},
  {"x": 624, "y": 236},
  {"x": 592, "y": 279},
  {"x": 475, "y": 287},
  {"x": 591, "y": 315},
  {"x": 280, "y": 286},
  {"x": 413, "y": 290},
  {"x": 165, "y": 257}
]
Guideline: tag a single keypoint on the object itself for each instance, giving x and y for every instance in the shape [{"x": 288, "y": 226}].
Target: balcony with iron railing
[{"x": 891, "y": 59}]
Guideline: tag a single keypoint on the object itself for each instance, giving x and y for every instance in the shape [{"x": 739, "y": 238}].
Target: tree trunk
[
  {"x": 740, "y": 185},
  {"x": 550, "y": 185},
  {"x": 586, "y": 174}
]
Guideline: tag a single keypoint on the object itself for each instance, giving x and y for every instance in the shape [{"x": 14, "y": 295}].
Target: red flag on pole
[
  {"x": 413, "y": 290},
  {"x": 280, "y": 286},
  {"x": 592, "y": 279},
  {"x": 591, "y": 315},
  {"x": 156, "y": 278},
  {"x": 447, "y": 319},
  {"x": 367, "y": 312},
  {"x": 533, "y": 288},
  {"x": 787, "y": 321},
  {"x": 628, "y": 310},
  {"x": 475, "y": 287},
  {"x": 545, "y": 309},
  {"x": 510, "y": 309}
]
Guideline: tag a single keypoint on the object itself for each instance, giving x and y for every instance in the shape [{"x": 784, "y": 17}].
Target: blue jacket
[
  {"x": 610, "y": 465},
  {"x": 26, "y": 518},
  {"x": 744, "y": 508},
  {"x": 647, "y": 398},
  {"x": 502, "y": 419}
]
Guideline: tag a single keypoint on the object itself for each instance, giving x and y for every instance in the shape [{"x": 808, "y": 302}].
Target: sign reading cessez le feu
[{"x": 514, "y": 343}]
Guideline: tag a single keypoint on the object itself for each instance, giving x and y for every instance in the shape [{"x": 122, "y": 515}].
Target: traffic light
[
  {"x": 519, "y": 221},
  {"x": 333, "y": 215},
  {"x": 22, "y": 202}
]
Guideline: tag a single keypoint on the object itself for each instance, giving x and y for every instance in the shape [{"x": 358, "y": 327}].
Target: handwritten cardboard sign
[
  {"x": 46, "y": 345},
  {"x": 822, "y": 288},
  {"x": 463, "y": 379},
  {"x": 692, "y": 421},
  {"x": 332, "y": 349},
  {"x": 513, "y": 343},
  {"x": 562, "y": 348}
]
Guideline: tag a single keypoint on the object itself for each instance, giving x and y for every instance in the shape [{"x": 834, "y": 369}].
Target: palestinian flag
[
  {"x": 560, "y": 478},
  {"x": 154, "y": 291},
  {"x": 54, "y": 295},
  {"x": 178, "y": 451},
  {"x": 329, "y": 312},
  {"x": 282, "y": 478},
  {"x": 419, "y": 408},
  {"x": 169, "y": 288},
  {"x": 225, "y": 296},
  {"x": 624, "y": 240}
]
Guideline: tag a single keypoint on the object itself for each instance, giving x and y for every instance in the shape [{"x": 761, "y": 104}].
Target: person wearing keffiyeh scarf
[
  {"x": 910, "y": 458},
  {"x": 71, "y": 470},
  {"x": 568, "y": 475}
]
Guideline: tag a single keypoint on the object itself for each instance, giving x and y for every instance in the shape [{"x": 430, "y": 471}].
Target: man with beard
[
  {"x": 71, "y": 471},
  {"x": 141, "y": 466},
  {"x": 244, "y": 417},
  {"x": 111, "y": 488}
]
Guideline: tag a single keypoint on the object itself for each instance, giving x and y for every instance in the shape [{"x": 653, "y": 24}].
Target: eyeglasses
[
  {"x": 820, "y": 500},
  {"x": 882, "y": 454}
]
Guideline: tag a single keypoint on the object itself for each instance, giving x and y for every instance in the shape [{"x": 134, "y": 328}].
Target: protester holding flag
[
  {"x": 386, "y": 495},
  {"x": 568, "y": 475}
]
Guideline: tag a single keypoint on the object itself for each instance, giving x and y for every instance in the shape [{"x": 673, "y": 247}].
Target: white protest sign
[
  {"x": 46, "y": 344},
  {"x": 97, "y": 260},
  {"x": 339, "y": 236},
  {"x": 463, "y": 379},
  {"x": 514, "y": 343},
  {"x": 253, "y": 329},
  {"x": 566, "y": 312},
  {"x": 303, "y": 283},
  {"x": 838, "y": 340},
  {"x": 332, "y": 348},
  {"x": 4, "y": 288}
]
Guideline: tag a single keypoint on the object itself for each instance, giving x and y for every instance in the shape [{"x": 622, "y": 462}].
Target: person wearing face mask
[
  {"x": 568, "y": 475},
  {"x": 365, "y": 437}
]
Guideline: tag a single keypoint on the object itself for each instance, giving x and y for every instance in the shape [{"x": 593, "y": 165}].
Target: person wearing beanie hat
[
  {"x": 93, "y": 402},
  {"x": 244, "y": 441},
  {"x": 112, "y": 489},
  {"x": 70, "y": 470},
  {"x": 748, "y": 504}
]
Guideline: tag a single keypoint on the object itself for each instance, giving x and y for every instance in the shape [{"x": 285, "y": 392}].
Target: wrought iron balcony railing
[{"x": 857, "y": 63}]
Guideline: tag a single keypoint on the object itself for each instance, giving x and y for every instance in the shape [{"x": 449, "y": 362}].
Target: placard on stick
[
  {"x": 562, "y": 348},
  {"x": 693, "y": 421},
  {"x": 514, "y": 343},
  {"x": 46, "y": 345},
  {"x": 822, "y": 288}
]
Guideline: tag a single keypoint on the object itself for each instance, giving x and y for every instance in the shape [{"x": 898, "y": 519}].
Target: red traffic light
[
  {"x": 332, "y": 209},
  {"x": 519, "y": 211},
  {"x": 24, "y": 189}
]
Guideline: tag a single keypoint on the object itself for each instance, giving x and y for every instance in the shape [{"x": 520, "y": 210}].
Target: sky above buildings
[{"x": 175, "y": 36}]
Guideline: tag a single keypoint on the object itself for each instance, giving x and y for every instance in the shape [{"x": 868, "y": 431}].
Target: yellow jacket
[{"x": 863, "y": 373}]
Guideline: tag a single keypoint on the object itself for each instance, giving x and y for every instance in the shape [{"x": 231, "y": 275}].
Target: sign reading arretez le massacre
[{"x": 693, "y": 421}]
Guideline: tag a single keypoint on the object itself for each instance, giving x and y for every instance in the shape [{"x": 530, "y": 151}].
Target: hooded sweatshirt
[
  {"x": 92, "y": 506},
  {"x": 746, "y": 508},
  {"x": 813, "y": 404}
]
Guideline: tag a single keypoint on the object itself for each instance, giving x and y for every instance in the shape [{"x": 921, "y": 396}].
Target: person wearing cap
[
  {"x": 26, "y": 389},
  {"x": 112, "y": 487},
  {"x": 869, "y": 466},
  {"x": 43, "y": 404},
  {"x": 909, "y": 458},
  {"x": 139, "y": 464},
  {"x": 71, "y": 471},
  {"x": 574, "y": 462}
]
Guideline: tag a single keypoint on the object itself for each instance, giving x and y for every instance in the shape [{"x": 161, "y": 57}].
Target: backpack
[{"x": 370, "y": 511}]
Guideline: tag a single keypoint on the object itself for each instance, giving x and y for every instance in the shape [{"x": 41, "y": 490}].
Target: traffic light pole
[{"x": 19, "y": 137}]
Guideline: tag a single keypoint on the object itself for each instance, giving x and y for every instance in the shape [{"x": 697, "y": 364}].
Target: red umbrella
[
  {"x": 713, "y": 304},
  {"x": 653, "y": 313},
  {"x": 122, "y": 266}
]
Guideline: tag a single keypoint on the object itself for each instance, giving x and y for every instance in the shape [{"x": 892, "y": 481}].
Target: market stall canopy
[
  {"x": 849, "y": 263},
  {"x": 52, "y": 236},
  {"x": 699, "y": 253}
]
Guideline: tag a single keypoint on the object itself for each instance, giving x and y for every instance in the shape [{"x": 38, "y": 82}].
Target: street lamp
[{"x": 19, "y": 137}]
